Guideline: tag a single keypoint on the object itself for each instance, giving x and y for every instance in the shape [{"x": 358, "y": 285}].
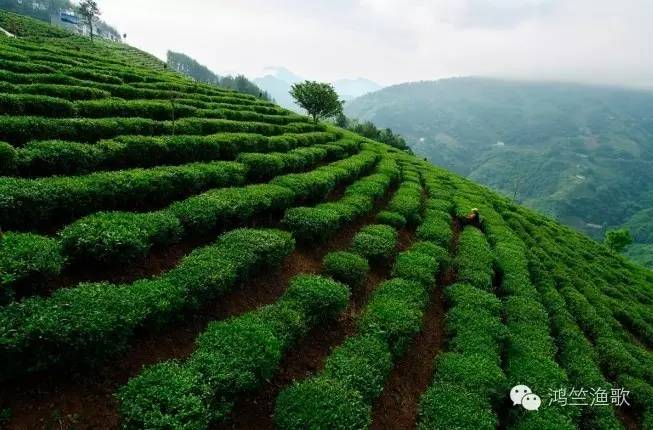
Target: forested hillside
[
  {"x": 582, "y": 154},
  {"x": 175, "y": 255},
  {"x": 184, "y": 64}
]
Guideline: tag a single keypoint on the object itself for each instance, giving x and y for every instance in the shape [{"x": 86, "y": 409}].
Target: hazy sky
[{"x": 392, "y": 41}]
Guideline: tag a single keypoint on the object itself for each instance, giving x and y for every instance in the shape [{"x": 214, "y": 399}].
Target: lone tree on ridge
[
  {"x": 319, "y": 99},
  {"x": 90, "y": 11}
]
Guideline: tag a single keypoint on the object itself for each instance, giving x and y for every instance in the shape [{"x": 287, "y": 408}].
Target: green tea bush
[
  {"x": 346, "y": 267},
  {"x": 68, "y": 92},
  {"x": 261, "y": 167},
  {"x": 375, "y": 242},
  {"x": 362, "y": 363},
  {"x": 158, "y": 110},
  {"x": 392, "y": 219},
  {"x": 224, "y": 207},
  {"x": 90, "y": 75},
  {"x": 395, "y": 313},
  {"x": 22, "y": 67},
  {"x": 447, "y": 406},
  {"x": 475, "y": 259},
  {"x": 315, "y": 184},
  {"x": 407, "y": 201},
  {"x": 168, "y": 395},
  {"x": 435, "y": 229},
  {"x": 43, "y": 158},
  {"x": 119, "y": 237},
  {"x": 19, "y": 130},
  {"x": 18, "y": 104},
  {"x": 27, "y": 260},
  {"x": 416, "y": 266},
  {"x": 36, "y": 202},
  {"x": 93, "y": 321},
  {"x": 312, "y": 224},
  {"x": 7, "y": 159},
  {"x": 321, "y": 403},
  {"x": 356, "y": 371},
  {"x": 232, "y": 357}
]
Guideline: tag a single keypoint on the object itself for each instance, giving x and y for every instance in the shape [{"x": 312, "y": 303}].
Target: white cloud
[{"x": 391, "y": 41}]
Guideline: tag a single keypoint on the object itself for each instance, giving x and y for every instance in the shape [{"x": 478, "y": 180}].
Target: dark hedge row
[
  {"x": 30, "y": 203},
  {"x": 19, "y": 130},
  {"x": 232, "y": 357},
  {"x": 90, "y": 323},
  {"x": 342, "y": 394},
  {"x": 531, "y": 352},
  {"x": 56, "y": 157},
  {"x": 27, "y": 260},
  {"x": 622, "y": 363},
  {"x": 122, "y": 237},
  {"x": 317, "y": 223},
  {"x": 376, "y": 242},
  {"x": 55, "y": 101}
]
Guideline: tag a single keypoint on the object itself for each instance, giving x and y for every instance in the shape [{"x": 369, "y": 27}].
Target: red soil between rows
[
  {"x": 85, "y": 401},
  {"x": 397, "y": 408}
]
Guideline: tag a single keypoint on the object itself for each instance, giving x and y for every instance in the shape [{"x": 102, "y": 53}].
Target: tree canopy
[
  {"x": 618, "y": 239},
  {"x": 89, "y": 10},
  {"x": 319, "y": 99}
]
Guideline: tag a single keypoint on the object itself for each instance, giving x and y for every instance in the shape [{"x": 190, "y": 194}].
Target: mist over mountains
[
  {"x": 278, "y": 80},
  {"x": 581, "y": 153}
]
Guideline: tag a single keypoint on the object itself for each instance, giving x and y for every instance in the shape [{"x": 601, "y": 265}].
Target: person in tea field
[{"x": 474, "y": 218}]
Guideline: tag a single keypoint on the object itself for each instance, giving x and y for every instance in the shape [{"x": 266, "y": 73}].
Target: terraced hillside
[{"x": 179, "y": 256}]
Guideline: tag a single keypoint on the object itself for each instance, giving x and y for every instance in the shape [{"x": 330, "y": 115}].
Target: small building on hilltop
[{"x": 69, "y": 20}]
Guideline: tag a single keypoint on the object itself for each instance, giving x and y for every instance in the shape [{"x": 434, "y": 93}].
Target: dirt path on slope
[
  {"x": 397, "y": 407},
  {"x": 309, "y": 355}
]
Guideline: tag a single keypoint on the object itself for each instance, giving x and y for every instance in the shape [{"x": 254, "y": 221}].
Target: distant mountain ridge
[
  {"x": 581, "y": 153},
  {"x": 278, "y": 80}
]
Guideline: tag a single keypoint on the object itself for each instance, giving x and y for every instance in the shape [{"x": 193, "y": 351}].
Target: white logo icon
[
  {"x": 518, "y": 392},
  {"x": 522, "y": 395},
  {"x": 531, "y": 402}
]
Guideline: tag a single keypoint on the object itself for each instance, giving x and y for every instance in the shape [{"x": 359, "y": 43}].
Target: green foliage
[
  {"x": 436, "y": 226},
  {"x": 119, "y": 237},
  {"x": 185, "y": 64},
  {"x": 321, "y": 404},
  {"x": 417, "y": 266},
  {"x": 20, "y": 130},
  {"x": 369, "y": 130},
  {"x": 375, "y": 242},
  {"x": 165, "y": 396},
  {"x": 319, "y": 296},
  {"x": 392, "y": 219},
  {"x": 395, "y": 313},
  {"x": 94, "y": 321},
  {"x": 320, "y": 100},
  {"x": 317, "y": 223},
  {"x": 446, "y": 406},
  {"x": 362, "y": 363},
  {"x": 355, "y": 372},
  {"x": 7, "y": 158},
  {"x": 29, "y": 203},
  {"x": 407, "y": 201},
  {"x": 346, "y": 267},
  {"x": 546, "y": 160},
  {"x": 27, "y": 260},
  {"x": 618, "y": 240},
  {"x": 43, "y": 158},
  {"x": 11, "y": 104},
  {"x": 475, "y": 259},
  {"x": 232, "y": 357}
]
